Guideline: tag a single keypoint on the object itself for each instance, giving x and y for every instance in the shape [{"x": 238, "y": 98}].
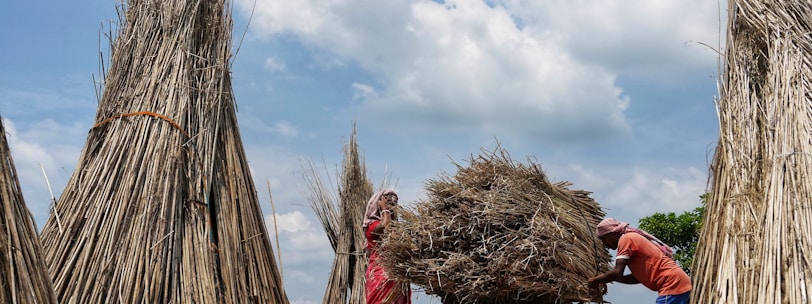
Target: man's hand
[{"x": 593, "y": 282}]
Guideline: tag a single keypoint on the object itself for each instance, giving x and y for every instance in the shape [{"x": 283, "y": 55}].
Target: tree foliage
[{"x": 681, "y": 232}]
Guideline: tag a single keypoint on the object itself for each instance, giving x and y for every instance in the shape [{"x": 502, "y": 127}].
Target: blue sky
[{"x": 616, "y": 97}]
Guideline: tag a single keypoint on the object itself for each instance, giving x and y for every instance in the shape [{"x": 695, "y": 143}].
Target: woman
[{"x": 379, "y": 214}]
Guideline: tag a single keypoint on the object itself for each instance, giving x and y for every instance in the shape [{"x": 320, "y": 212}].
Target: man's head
[
  {"x": 610, "y": 240},
  {"x": 609, "y": 231}
]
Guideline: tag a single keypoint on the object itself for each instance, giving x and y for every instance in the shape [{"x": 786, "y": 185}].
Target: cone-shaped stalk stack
[{"x": 162, "y": 207}]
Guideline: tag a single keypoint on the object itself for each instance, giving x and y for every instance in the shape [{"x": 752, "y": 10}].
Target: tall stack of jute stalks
[
  {"x": 756, "y": 243},
  {"x": 161, "y": 207},
  {"x": 496, "y": 232},
  {"x": 23, "y": 275},
  {"x": 342, "y": 223}
]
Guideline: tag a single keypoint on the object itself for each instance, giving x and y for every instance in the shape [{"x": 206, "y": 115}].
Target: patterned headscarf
[
  {"x": 373, "y": 212},
  {"x": 610, "y": 225}
]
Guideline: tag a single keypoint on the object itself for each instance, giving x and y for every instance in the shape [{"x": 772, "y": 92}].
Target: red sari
[{"x": 379, "y": 288}]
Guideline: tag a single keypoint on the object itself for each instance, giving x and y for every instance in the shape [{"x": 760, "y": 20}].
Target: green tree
[{"x": 681, "y": 232}]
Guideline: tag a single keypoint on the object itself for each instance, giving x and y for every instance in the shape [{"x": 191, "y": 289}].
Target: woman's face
[{"x": 388, "y": 201}]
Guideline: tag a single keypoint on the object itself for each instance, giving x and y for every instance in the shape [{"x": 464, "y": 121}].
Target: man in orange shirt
[{"x": 650, "y": 261}]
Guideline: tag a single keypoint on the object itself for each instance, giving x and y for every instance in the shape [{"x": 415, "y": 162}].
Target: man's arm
[
  {"x": 628, "y": 279},
  {"x": 616, "y": 274}
]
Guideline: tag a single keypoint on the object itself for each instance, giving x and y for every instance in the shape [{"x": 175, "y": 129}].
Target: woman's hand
[
  {"x": 388, "y": 203},
  {"x": 383, "y": 204}
]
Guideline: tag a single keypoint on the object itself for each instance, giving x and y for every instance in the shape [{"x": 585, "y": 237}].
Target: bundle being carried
[{"x": 498, "y": 231}]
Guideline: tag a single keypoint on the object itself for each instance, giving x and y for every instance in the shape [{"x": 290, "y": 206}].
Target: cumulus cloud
[
  {"x": 641, "y": 191},
  {"x": 44, "y": 145},
  {"x": 304, "y": 252},
  {"x": 660, "y": 39},
  {"x": 301, "y": 242},
  {"x": 291, "y": 222},
  {"x": 545, "y": 69}
]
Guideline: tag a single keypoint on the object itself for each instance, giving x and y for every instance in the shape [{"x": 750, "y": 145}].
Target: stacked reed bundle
[
  {"x": 498, "y": 231},
  {"x": 23, "y": 275},
  {"x": 162, "y": 207},
  {"x": 343, "y": 227},
  {"x": 353, "y": 192},
  {"x": 757, "y": 238}
]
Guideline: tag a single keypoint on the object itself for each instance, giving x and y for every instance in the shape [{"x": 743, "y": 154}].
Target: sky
[{"x": 616, "y": 97}]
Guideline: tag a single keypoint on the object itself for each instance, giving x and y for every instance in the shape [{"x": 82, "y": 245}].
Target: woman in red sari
[{"x": 379, "y": 288}]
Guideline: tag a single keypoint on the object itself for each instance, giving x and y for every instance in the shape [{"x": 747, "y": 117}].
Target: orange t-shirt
[{"x": 651, "y": 266}]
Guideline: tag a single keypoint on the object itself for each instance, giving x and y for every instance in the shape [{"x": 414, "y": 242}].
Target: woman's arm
[
  {"x": 386, "y": 218},
  {"x": 387, "y": 204}
]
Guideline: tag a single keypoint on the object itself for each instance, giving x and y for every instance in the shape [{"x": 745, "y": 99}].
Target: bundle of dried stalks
[
  {"x": 354, "y": 190},
  {"x": 23, "y": 275},
  {"x": 343, "y": 227},
  {"x": 162, "y": 207},
  {"x": 757, "y": 238},
  {"x": 342, "y": 224},
  {"x": 499, "y": 231}
]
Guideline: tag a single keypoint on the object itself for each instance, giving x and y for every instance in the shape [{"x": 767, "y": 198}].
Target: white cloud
[
  {"x": 546, "y": 69},
  {"x": 302, "y": 301},
  {"x": 47, "y": 144},
  {"x": 301, "y": 242},
  {"x": 291, "y": 222},
  {"x": 285, "y": 128},
  {"x": 305, "y": 255},
  {"x": 281, "y": 168},
  {"x": 460, "y": 65},
  {"x": 273, "y": 64},
  {"x": 281, "y": 128},
  {"x": 300, "y": 276},
  {"x": 648, "y": 38},
  {"x": 363, "y": 91},
  {"x": 640, "y": 192}
]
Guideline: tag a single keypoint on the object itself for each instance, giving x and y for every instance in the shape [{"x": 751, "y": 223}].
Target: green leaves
[{"x": 681, "y": 232}]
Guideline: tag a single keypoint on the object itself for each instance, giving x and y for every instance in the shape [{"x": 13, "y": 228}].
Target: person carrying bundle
[
  {"x": 650, "y": 261},
  {"x": 380, "y": 212}
]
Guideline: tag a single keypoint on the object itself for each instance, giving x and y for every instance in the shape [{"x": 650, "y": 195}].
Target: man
[{"x": 649, "y": 260}]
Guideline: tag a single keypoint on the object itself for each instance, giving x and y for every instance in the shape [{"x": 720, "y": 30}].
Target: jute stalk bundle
[
  {"x": 23, "y": 275},
  {"x": 498, "y": 231},
  {"x": 162, "y": 207},
  {"x": 342, "y": 224},
  {"x": 354, "y": 191},
  {"x": 757, "y": 238}
]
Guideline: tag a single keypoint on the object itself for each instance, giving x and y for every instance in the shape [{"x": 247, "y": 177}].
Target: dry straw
[
  {"x": 756, "y": 243},
  {"x": 342, "y": 223},
  {"x": 23, "y": 275},
  {"x": 498, "y": 231},
  {"x": 162, "y": 207},
  {"x": 353, "y": 192}
]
